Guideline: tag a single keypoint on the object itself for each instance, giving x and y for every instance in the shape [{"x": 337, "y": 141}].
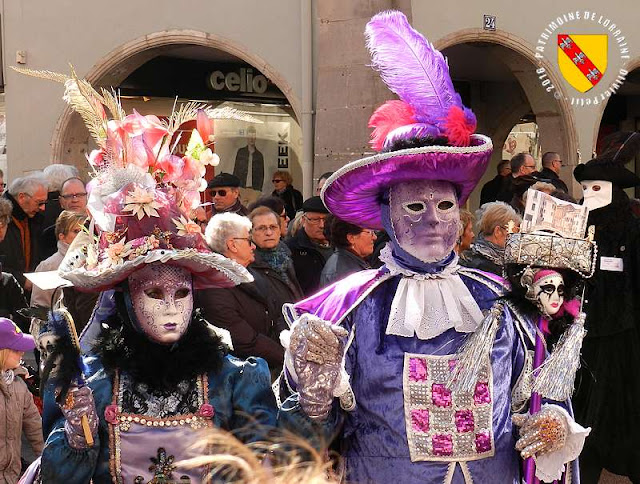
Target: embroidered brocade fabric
[
  {"x": 139, "y": 399},
  {"x": 441, "y": 424}
]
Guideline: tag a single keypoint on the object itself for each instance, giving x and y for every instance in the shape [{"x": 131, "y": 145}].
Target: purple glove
[
  {"x": 317, "y": 348},
  {"x": 79, "y": 403},
  {"x": 541, "y": 433}
]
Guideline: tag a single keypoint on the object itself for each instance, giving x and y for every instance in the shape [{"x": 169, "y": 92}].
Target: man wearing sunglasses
[
  {"x": 225, "y": 192},
  {"x": 19, "y": 250}
]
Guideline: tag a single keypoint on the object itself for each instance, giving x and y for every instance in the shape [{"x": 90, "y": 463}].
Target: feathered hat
[
  {"x": 428, "y": 134},
  {"x": 618, "y": 150},
  {"x": 141, "y": 193}
]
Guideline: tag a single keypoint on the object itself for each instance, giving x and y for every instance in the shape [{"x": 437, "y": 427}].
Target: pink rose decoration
[
  {"x": 111, "y": 414},
  {"x": 206, "y": 410}
]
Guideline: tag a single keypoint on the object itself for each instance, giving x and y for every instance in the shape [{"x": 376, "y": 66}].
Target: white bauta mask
[
  {"x": 597, "y": 193},
  {"x": 549, "y": 293}
]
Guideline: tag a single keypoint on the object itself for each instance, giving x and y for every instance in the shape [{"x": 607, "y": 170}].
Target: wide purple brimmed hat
[
  {"x": 428, "y": 134},
  {"x": 354, "y": 192}
]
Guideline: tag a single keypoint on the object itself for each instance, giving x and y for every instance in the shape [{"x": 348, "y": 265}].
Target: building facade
[{"x": 301, "y": 67}]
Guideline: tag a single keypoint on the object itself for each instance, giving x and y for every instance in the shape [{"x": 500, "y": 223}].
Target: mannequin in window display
[{"x": 388, "y": 350}]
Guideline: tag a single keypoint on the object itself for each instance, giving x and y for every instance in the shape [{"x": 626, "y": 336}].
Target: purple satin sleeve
[{"x": 335, "y": 301}]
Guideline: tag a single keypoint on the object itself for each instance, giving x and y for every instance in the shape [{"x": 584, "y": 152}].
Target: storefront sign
[{"x": 242, "y": 80}]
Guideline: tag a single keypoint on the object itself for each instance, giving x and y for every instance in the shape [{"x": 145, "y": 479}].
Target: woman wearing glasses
[
  {"x": 244, "y": 310},
  {"x": 283, "y": 188},
  {"x": 353, "y": 245}
]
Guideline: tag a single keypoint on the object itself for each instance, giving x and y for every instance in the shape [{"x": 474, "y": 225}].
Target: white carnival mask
[
  {"x": 162, "y": 300},
  {"x": 549, "y": 293},
  {"x": 597, "y": 193}
]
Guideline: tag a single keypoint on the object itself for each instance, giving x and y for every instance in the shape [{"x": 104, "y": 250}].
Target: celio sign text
[{"x": 242, "y": 80}]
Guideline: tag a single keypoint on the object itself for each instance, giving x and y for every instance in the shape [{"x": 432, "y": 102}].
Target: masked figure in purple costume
[{"x": 383, "y": 348}]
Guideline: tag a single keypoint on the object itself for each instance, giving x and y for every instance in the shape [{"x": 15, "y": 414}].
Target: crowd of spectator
[{"x": 291, "y": 247}]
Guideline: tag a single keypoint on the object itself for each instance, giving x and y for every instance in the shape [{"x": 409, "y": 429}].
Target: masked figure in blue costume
[
  {"x": 382, "y": 348},
  {"x": 157, "y": 372}
]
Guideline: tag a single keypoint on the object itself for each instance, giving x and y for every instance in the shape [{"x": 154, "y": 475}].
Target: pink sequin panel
[
  {"x": 440, "y": 395},
  {"x": 420, "y": 420},
  {"x": 417, "y": 369},
  {"x": 442, "y": 444},
  {"x": 464, "y": 421},
  {"x": 481, "y": 394},
  {"x": 483, "y": 442}
]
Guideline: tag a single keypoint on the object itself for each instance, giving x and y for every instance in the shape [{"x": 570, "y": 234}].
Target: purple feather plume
[{"x": 411, "y": 67}]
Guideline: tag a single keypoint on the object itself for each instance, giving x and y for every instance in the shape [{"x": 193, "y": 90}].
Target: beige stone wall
[
  {"x": 101, "y": 39},
  {"x": 105, "y": 44}
]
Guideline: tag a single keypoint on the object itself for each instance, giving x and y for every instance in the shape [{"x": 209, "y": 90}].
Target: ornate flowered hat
[
  {"x": 141, "y": 194},
  {"x": 428, "y": 134}
]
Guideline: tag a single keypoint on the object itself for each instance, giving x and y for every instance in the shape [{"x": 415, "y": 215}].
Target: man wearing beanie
[{"x": 309, "y": 246}]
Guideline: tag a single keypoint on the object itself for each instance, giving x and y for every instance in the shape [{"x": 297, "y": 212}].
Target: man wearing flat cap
[
  {"x": 309, "y": 246},
  {"x": 225, "y": 192}
]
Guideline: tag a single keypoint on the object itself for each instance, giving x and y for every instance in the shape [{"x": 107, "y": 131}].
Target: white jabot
[{"x": 427, "y": 305}]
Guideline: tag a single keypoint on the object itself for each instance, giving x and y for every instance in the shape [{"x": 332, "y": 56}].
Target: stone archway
[
  {"x": 70, "y": 135},
  {"x": 554, "y": 116},
  {"x": 631, "y": 66}
]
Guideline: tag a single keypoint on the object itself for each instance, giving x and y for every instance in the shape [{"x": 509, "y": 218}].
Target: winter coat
[
  {"x": 49, "y": 241},
  {"x": 12, "y": 252},
  {"x": 11, "y": 300},
  {"x": 308, "y": 261},
  {"x": 554, "y": 179},
  {"x": 342, "y": 263},
  {"x": 483, "y": 255},
  {"x": 493, "y": 188},
  {"x": 245, "y": 312},
  {"x": 273, "y": 285},
  {"x": 18, "y": 414},
  {"x": 292, "y": 199}
]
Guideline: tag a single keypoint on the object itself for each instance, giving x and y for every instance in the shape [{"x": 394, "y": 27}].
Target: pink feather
[
  {"x": 459, "y": 125},
  {"x": 386, "y": 118}
]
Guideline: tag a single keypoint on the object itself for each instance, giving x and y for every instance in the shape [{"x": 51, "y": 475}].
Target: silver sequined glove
[
  {"x": 79, "y": 403},
  {"x": 317, "y": 348},
  {"x": 541, "y": 433}
]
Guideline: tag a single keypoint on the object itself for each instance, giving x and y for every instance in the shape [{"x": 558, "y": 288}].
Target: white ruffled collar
[{"x": 426, "y": 305}]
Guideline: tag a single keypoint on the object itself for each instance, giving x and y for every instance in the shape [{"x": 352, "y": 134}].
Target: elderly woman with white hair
[
  {"x": 244, "y": 310},
  {"x": 487, "y": 252}
]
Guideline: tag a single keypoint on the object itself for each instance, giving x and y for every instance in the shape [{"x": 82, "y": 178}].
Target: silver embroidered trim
[
  {"x": 548, "y": 250},
  {"x": 348, "y": 401},
  {"x": 521, "y": 392}
]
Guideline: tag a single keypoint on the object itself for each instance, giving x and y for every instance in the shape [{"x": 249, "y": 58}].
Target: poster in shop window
[{"x": 253, "y": 152}]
